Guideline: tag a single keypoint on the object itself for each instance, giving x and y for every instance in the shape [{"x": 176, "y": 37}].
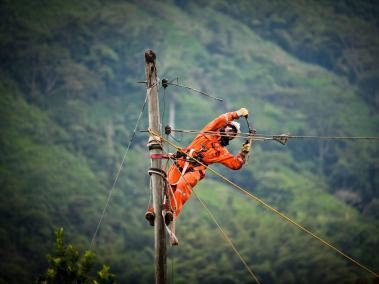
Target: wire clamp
[
  {"x": 282, "y": 138},
  {"x": 165, "y": 83}
]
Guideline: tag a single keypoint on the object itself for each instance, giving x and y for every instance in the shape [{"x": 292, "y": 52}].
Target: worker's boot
[
  {"x": 168, "y": 216},
  {"x": 150, "y": 216}
]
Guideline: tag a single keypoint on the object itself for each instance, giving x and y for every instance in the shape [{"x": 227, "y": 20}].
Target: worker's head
[{"x": 229, "y": 132}]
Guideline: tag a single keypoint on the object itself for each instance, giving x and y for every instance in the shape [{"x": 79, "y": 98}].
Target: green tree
[{"x": 66, "y": 265}]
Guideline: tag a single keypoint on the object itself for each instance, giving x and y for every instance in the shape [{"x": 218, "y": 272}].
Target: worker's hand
[
  {"x": 242, "y": 112},
  {"x": 246, "y": 148}
]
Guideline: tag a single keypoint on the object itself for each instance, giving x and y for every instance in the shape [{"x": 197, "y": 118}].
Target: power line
[
  {"x": 193, "y": 89},
  {"x": 223, "y": 234},
  {"x": 283, "y": 216},
  {"x": 165, "y": 83},
  {"x": 334, "y": 137},
  {"x": 227, "y": 238},
  {"x": 281, "y": 138},
  {"x": 117, "y": 175},
  {"x": 263, "y": 136}
]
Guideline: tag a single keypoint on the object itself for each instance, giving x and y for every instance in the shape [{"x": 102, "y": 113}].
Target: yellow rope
[
  {"x": 224, "y": 235},
  {"x": 288, "y": 219},
  {"x": 227, "y": 238}
]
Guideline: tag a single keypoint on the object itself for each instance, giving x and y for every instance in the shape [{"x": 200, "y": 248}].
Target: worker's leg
[
  {"x": 184, "y": 189},
  {"x": 173, "y": 174}
]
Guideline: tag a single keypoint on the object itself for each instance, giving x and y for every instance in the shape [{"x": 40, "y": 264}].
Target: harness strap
[
  {"x": 185, "y": 167},
  {"x": 161, "y": 156}
]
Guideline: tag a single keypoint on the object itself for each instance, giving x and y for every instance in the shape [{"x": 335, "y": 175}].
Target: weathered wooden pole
[{"x": 156, "y": 180}]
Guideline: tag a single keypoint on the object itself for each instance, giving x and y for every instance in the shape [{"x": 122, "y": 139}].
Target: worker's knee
[
  {"x": 191, "y": 178},
  {"x": 173, "y": 175},
  {"x": 183, "y": 194}
]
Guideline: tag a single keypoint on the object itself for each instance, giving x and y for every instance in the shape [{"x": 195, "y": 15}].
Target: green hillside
[{"x": 70, "y": 101}]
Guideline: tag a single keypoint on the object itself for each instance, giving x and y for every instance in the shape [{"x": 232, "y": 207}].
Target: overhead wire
[
  {"x": 118, "y": 173},
  {"x": 257, "y": 137},
  {"x": 193, "y": 89},
  {"x": 176, "y": 139},
  {"x": 223, "y": 233},
  {"x": 282, "y": 138},
  {"x": 227, "y": 238},
  {"x": 334, "y": 137},
  {"x": 216, "y": 133},
  {"x": 277, "y": 212},
  {"x": 263, "y": 137}
]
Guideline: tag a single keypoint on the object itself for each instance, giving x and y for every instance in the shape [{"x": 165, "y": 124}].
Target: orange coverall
[{"x": 211, "y": 151}]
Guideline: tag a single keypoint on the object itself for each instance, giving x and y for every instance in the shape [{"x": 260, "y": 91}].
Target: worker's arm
[
  {"x": 223, "y": 119},
  {"x": 235, "y": 162},
  {"x": 220, "y": 121}
]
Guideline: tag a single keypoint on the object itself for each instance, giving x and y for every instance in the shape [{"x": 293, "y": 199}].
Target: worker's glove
[
  {"x": 246, "y": 148},
  {"x": 242, "y": 112}
]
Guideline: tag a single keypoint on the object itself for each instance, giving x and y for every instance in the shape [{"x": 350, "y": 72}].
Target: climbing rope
[
  {"x": 283, "y": 216},
  {"x": 223, "y": 234},
  {"x": 117, "y": 174}
]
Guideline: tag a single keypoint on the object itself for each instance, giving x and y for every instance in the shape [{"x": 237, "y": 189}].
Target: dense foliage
[
  {"x": 67, "y": 265},
  {"x": 338, "y": 35},
  {"x": 69, "y": 103}
]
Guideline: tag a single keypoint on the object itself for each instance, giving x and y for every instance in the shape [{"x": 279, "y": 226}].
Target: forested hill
[{"x": 70, "y": 102}]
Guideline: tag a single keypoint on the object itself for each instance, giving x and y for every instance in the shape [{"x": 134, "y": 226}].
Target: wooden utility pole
[{"x": 156, "y": 180}]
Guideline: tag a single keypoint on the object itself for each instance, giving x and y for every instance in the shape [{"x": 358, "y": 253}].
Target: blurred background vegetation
[{"x": 69, "y": 104}]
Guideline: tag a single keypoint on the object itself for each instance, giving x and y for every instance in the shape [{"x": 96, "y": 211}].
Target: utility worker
[{"x": 209, "y": 147}]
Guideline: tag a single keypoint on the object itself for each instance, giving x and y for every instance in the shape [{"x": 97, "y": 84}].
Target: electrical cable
[
  {"x": 118, "y": 173},
  {"x": 193, "y": 89},
  {"x": 223, "y": 234},
  {"x": 277, "y": 212},
  {"x": 263, "y": 137}
]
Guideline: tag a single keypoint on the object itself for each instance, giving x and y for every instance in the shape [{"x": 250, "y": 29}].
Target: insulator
[
  {"x": 164, "y": 83},
  {"x": 167, "y": 129}
]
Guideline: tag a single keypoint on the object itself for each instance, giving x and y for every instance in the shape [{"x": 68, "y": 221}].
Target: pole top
[{"x": 150, "y": 56}]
